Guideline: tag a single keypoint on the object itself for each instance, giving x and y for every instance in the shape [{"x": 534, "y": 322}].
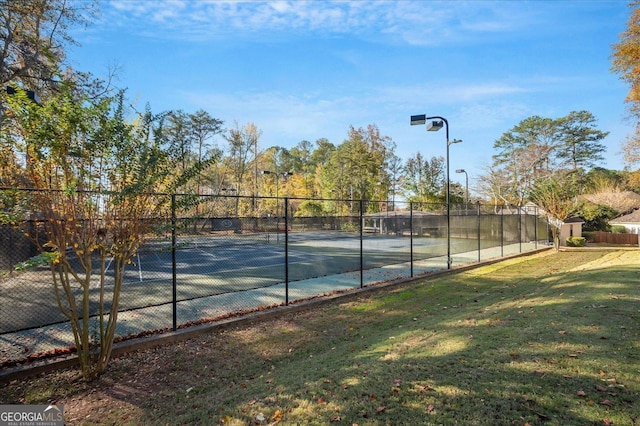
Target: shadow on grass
[
  {"x": 551, "y": 339},
  {"x": 559, "y": 348}
]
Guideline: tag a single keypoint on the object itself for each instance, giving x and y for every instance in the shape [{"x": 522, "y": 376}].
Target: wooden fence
[{"x": 611, "y": 238}]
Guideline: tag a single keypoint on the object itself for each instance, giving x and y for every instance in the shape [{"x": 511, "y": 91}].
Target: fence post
[
  {"x": 286, "y": 251},
  {"x": 502, "y": 232},
  {"x": 479, "y": 223},
  {"x": 520, "y": 228},
  {"x": 410, "y": 235},
  {"x": 12, "y": 250},
  {"x": 361, "y": 247},
  {"x": 535, "y": 227},
  {"x": 174, "y": 267}
]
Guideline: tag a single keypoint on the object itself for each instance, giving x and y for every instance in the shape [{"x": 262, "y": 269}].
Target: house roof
[
  {"x": 633, "y": 217},
  {"x": 573, "y": 220}
]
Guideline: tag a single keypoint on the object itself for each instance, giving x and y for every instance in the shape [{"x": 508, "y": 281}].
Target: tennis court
[{"x": 217, "y": 273}]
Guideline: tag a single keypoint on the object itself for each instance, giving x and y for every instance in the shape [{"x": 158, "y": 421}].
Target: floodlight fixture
[
  {"x": 434, "y": 125},
  {"x": 418, "y": 119}
]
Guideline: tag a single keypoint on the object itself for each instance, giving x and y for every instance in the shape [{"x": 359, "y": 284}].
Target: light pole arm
[{"x": 446, "y": 125}]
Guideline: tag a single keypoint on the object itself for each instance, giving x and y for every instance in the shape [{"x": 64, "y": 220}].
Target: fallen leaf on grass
[
  {"x": 381, "y": 409},
  {"x": 277, "y": 416},
  {"x": 581, "y": 393},
  {"x": 335, "y": 419},
  {"x": 607, "y": 422},
  {"x": 430, "y": 408},
  {"x": 607, "y": 403}
]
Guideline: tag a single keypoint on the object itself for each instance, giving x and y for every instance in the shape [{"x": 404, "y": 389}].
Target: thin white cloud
[
  {"x": 283, "y": 118},
  {"x": 465, "y": 93},
  {"x": 413, "y": 22},
  {"x": 492, "y": 115},
  {"x": 286, "y": 119},
  {"x": 451, "y": 93}
]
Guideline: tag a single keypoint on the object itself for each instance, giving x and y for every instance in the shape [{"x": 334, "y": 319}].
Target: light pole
[
  {"x": 434, "y": 124},
  {"x": 277, "y": 175},
  {"x": 466, "y": 192}
]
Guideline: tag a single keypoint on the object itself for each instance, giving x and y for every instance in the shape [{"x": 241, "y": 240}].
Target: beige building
[{"x": 571, "y": 227}]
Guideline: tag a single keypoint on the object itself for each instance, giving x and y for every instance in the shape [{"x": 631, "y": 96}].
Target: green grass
[{"x": 549, "y": 339}]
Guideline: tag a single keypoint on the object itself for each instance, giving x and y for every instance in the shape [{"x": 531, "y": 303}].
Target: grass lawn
[{"x": 549, "y": 339}]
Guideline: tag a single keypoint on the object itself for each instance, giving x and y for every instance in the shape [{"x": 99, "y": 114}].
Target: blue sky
[{"x": 308, "y": 70}]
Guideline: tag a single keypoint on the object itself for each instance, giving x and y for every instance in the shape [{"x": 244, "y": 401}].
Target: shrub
[
  {"x": 589, "y": 236},
  {"x": 618, "y": 229},
  {"x": 596, "y": 216},
  {"x": 309, "y": 208},
  {"x": 576, "y": 241}
]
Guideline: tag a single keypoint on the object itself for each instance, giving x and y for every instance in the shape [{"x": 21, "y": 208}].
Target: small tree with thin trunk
[
  {"x": 556, "y": 195},
  {"x": 93, "y": 181}
]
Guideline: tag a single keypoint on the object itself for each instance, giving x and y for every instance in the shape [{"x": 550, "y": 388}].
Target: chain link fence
[{"x": 230, "y": 254}]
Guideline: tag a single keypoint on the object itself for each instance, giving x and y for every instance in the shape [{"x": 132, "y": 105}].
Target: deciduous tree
[
  {"x": 33, "y": 38},
  {"x": 95, "y": 181},
  {"x": 625, "y": 57},
  {"x": 243, "y": 153},
  {"x": 556, "y": 195},
  {"x": 357, "y": 166},
  {"x": 424, "y": 179}
]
